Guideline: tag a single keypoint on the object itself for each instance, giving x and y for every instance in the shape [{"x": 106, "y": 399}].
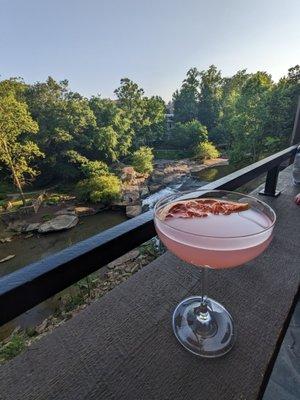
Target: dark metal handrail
[{"x": 29, "y": 286}]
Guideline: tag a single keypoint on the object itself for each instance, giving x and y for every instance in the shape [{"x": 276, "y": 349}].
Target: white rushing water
[{"x": 153, "y": 198}]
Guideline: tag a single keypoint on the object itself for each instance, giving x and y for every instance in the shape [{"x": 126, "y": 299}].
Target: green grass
[
  {"x": 171, "y": 154},
  {"x": 14, "y": 347}
]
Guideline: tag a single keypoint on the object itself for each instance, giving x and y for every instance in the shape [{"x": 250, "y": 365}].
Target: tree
[
  {"x": 247, "y": 125},
  {"x": 16, "y": 152},
  {"x": 147, "y": 115},
  {"x": 14, "y": 86},
  {"x": 281, "y": 104},
  {"x": 231, "y": 90},
  {"x": 142, "y": 160},
  {"x": 154, "y": 122},
  {"x": 185, "y": 100},
  {"x": 66, "y": 123},
  {"x": 88, "y": 168},
  {"x": 112, "y": 135},
  {"x": 210, "y": 97},
  {"x": 188, "y": 135}
]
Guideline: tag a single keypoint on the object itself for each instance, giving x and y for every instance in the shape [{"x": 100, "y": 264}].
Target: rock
[
  {"x": 133, "y": 211},
  {"x": 155, "y": 187},
  {"x": 28, "y": 236},
  {"x": 131, "y": 255},
  {"x": 59, "y": 223},
  {"x": 31, "y": 227},
  {"x": 197, "y": 168},
  {"x": 7, "y": 206},
  {"x": 128, "y": 174},
  {"x": 17, "y": 226},
  {"x": 7, "y": 258},
  {"x": 129, "y": 197},
  {"x": 65, "y": 211},
  {"x": 157, "y": 176},
  {"x": 41, "y": 328},
  {"x": 84, "y": 211},
  {"x": 6, "y": 240},
  {"x": 144, "y": 191}
]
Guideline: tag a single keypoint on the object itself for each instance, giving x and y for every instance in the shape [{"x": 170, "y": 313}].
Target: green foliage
[
  {"x": 247, "y": 115},
  {"x": 112, "y": 136},
  {"x": 185, "y": 100},
  {"x": 47, "y": 217},
  {"x": 210, "y": 97},
  {"x": 88, "y": 167},
  {"x": 93, "y": 169},
  {"x": 146, "y": 114},
  {"x": 206, "y": 150},
  {"x": 142, "y": 160},
  {"x": 12, "y": 348},
  {"x": 187, "y": 135},
  {"x": 16, "y": 151},
  {"x": 100, "y": 189},
  {"x": 53, "y": 200}
]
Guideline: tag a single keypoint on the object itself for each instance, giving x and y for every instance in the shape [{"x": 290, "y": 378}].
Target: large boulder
[
  {"x": 144, "y": 191},
  {"x": 66, "y": 211},
  {"x": 128, "y": 174},
  {"x": 155, "y": 187},
  {"x": 133, "y": 211},
  {"x": 34, "y": 226},
  {"x": 82, "y": 211},
  {"x": 59, "y": 223}
]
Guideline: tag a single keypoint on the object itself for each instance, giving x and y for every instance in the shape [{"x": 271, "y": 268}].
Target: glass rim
[{"x": 165, "y": 198}]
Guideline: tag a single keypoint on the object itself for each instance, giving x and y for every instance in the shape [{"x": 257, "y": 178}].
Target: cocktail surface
[{"x": 216, "y": 233}]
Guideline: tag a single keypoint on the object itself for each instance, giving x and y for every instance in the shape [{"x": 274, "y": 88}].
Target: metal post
[
  {"x": 271, "y": 183},
  {"x": 296, "y": 130}
]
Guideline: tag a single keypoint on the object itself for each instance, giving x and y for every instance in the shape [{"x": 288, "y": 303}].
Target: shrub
[
  {"x": 142, "y": 160},
  {"x": 104, "y": 189},
  {"x": 12, "y": 348},
  {"x": 52, "y": 200},
  {"x": 94, "y": 168},
  {"x": 206, "y": 150}
]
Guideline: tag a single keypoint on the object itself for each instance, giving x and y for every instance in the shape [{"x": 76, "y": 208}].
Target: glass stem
[
  {"x": 201, "y": 311},
  {"x": 203, "y": 285}
]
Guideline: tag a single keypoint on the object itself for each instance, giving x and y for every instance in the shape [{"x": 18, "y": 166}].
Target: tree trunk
[{"x": 15, "y": 176}]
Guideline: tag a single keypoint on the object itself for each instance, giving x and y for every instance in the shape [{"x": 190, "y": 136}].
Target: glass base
[{"x": 205, "y": 328}]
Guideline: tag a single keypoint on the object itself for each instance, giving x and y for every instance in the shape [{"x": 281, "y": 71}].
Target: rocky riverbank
[
  {"x": 137, "y": 187},
  {"x": 66, "y": 213}
]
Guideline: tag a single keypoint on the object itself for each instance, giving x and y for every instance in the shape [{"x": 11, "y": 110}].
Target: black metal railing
[{"x": 29, "y": 286}]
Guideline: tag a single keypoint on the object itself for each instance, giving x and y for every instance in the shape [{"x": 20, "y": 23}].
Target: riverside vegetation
[{"x": 50, "y": 134}]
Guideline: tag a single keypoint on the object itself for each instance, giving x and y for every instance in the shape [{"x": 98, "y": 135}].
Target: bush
[
  {"x": 206, "y": 150},
  {"x": 12, "y": 348},
  {"x": 92, "y": 169},
  {"x": 142, "y": 160},
  {"x": 52, "y": 200},
  {"x": 99, "y": 189}
]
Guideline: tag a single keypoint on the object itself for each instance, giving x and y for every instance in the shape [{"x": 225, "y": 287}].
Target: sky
[{"x": 94, "y": 43}]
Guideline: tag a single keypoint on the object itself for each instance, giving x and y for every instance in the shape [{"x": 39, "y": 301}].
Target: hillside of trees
[{"x": 50, "y": 134}]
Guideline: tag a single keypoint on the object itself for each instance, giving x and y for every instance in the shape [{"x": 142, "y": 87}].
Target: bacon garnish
[{"x": 200, "y": 208}]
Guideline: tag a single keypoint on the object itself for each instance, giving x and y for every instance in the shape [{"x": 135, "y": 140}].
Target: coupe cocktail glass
[{"x": 214, "y": 240}]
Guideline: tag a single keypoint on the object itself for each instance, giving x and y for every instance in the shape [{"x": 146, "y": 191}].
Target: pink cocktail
[{"x": 215, "y": 229}]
